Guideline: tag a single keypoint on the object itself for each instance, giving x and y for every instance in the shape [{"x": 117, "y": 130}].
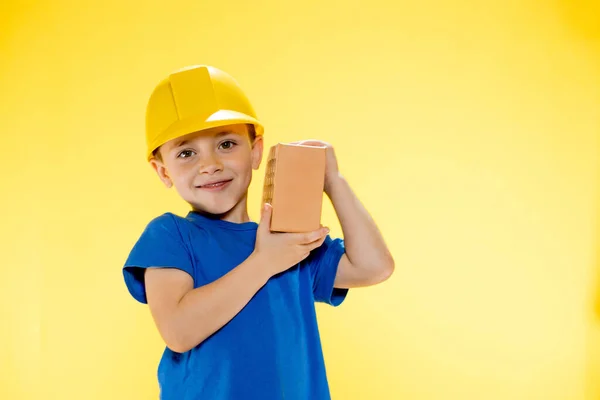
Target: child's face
[{"x": 218, "y": 155}]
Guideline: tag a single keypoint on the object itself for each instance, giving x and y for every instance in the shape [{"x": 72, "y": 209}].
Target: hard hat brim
[{"x": 191, "y": 125}]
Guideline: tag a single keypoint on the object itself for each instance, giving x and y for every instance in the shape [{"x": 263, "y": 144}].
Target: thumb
[{"x": 265, "y": 217}]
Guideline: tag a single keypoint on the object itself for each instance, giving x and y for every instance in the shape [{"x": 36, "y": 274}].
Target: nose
[{"x": 210, "y": 164}]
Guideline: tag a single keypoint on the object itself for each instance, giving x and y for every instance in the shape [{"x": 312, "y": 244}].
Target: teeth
[{"x": 215, "y": 184}]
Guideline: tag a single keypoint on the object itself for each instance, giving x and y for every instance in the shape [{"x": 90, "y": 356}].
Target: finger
[
  {"x": 319, "y": 242},
  {"x": 313, "y": 142},
  {"x": 314, "y": 245},
  {"x": 320, "y": 238},
  {"x": 265, "y": 217},
  {"x": 309, "y": 237}
]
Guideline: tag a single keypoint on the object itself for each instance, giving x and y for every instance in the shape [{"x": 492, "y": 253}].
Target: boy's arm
[
  {"x": 185, "y": 316},
  {"x": 367, "y": 260}
]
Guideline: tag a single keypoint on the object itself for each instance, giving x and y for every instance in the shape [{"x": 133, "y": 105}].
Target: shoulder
[
  {"x": 171, "y": 227},
  {"x": 167, "y": 222},
  {"x": 167, "y": 228},
  {"x": 167, "y": 218},
  {"x": 332, "y": 247}
]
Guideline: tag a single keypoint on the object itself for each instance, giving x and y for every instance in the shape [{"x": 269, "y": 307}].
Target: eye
[
  {"x": 228, "y": 144},
  {"x": 185, "y": 154}
]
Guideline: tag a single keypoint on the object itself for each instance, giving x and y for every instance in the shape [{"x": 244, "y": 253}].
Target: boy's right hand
[{"x": 280, "y": 251}]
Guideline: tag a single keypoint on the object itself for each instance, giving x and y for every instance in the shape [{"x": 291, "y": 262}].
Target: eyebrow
[
  {"x": 225, "y": 133},
  {"x": 218, "y": 135},
  {"x": 181, "y": 143}
]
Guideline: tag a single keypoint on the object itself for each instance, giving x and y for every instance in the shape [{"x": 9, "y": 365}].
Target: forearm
[
  {"x": 204, "y": 310},
  {"x": 365, "y": 246}
]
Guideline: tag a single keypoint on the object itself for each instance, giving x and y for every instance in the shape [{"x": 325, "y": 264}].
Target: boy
[{"x": 233, "y": 301}]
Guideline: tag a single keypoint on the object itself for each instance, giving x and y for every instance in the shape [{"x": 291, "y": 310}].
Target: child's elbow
[
  {"x": 179, "y": 343},
  {"x": 386, "y": 269},
  {"x": 180, "y": 346}
]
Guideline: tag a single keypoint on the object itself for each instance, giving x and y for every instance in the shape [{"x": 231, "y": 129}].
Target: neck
[{"x": 238, "y": 214}]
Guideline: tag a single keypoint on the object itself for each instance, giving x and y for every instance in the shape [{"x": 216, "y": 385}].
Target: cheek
[
  {"x": 240, "y": 165},
  {"x": 180, "y": 175}
]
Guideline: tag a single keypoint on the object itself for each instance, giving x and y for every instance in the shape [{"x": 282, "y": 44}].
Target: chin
[{"x": 218, "y": 210}]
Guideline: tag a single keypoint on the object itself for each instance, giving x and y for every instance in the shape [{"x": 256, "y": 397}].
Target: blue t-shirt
[{"x": 271, "y": 349}]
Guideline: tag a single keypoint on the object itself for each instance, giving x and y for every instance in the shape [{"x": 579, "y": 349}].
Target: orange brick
[{"x": 294, "y": 181}]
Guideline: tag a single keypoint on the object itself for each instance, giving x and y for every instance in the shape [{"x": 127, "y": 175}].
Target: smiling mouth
[{"x": 214, "y": 185}]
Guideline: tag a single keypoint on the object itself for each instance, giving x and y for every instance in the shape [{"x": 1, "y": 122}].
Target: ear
[
  {"x": 162, "y": 172},
  {"x": 257, "y": 152}
]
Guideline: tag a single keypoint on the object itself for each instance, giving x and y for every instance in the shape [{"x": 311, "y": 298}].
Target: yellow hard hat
[{"x": 192, "y": 99}]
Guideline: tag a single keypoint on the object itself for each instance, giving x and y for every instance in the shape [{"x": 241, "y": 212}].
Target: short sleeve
[
  {"x": 323, "y": 263},
  {"x": 160, "y": 245}
]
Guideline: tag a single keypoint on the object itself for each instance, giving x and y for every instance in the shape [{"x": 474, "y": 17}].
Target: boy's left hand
[{"x": 331, "y": 168}]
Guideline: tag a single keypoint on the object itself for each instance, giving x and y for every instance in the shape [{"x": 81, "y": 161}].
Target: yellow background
[{"x": 469, "y": 129}]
